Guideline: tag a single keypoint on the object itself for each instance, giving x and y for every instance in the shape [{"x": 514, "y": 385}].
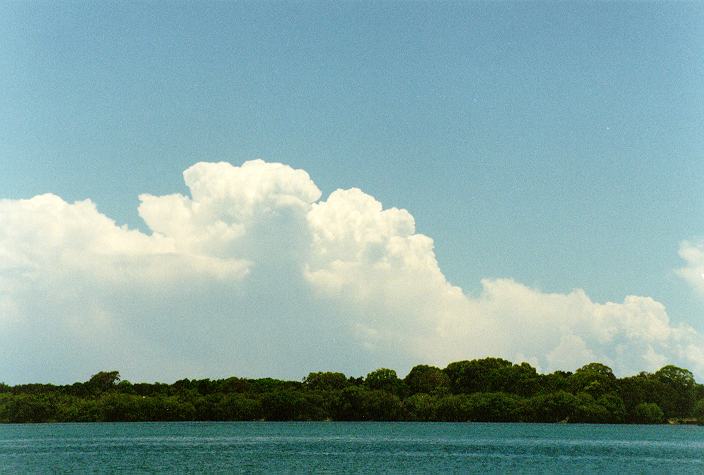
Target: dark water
[{"x": 349, "y": 447}]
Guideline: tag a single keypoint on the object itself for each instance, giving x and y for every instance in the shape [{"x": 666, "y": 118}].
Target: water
[{"x": 349, "y": 447}]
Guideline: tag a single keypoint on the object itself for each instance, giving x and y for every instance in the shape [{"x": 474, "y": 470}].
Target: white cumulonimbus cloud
[{"x": 254, "y": 274}]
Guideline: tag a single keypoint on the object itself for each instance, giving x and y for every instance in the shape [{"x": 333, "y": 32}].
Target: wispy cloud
[{"x": 693, "y": 271}]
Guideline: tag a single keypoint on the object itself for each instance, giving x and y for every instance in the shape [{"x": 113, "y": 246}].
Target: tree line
[{"x": 481, "y": 390}]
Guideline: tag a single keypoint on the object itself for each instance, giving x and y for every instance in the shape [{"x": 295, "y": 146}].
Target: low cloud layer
[{"x": 253, "y": 274}]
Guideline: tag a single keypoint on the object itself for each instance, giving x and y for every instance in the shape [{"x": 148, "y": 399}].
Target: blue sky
[{"x": 556, "y": 144}]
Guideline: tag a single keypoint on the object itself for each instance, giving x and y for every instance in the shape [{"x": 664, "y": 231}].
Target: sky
[{"x": 205, "y": 189}]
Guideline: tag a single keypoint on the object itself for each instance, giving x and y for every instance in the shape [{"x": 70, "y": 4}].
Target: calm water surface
[{"x": 349, "y": 447}]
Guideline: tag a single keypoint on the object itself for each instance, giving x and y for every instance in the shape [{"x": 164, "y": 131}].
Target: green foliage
[
  {"x": 553, "y": 382},
  {"x": 378, "y": 405},
  {"x": 520, "y": 379},
  {"x": 676, "y": 377},
  {"x": 360, "y": 403},
  {"x": 420, "y": 407},
  {"x": 595, "y": 379},
  {"x": 494, "y": 407},
  {"x": 103, "y": 381},
  {"x": 453, "y": 408},
  {"x": 615, "y": 407},
  {"x": 648, "y": 413},
  {"x": 488, "y": 374},
  {"x": 384, "y": 379},
  {"x": 485, "y": 390},
  {"x": 680, "y": 385},
  {"x": 30, "y": 408},
  {"x": 325, "y": 381},
  {"x": 427, "y": 379},
  {"x": 282, "y": 405},
  {"x": 551, "y": 407},
  {"x": 493, "y": 375},
  {"x": 699, "y": 411}
]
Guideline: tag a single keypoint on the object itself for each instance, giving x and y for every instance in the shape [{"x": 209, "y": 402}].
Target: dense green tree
[
  {"x": 210, "y": 407},
  {"x": 453, "y": 408},
  {"x": 698, "y": 412},
  {"x": 595, "y": 379},
  {"x": 325, "y": 381},
  {"x": 494, "y": 407},
  {"x": 553, "y": 382},
  {"x": 103, "y": 381},
  {"x": 115, "y": 407},
  {"x": 648, "y": 413},
  {"x": 237, "y": 407},
  {"x": 616, "y": 409},
  {"x": 420, "y": 407},
  {"x": 360, "y": 403},
  {"x": 384, "y": 379},
  {"x": 234, "y": 385},
  {"x": 380, "y": 405},
  {"x": 486, "y": 374},
  {"x": 635, "y": 390},
  {"x": 282, "y": 405},
  {"x": 587, "y": 410},
  {"x": 680, "y": 387},
  {"x": 521, "y": 379},
  {"x": 30, "y": 408},
  {"x": 427, "y": 379},
  {"x": 489, "y": 390},
  {"x": 552, "y": 407},
  {"x": 78, "y": 410},
  {"x": 349, "y": 403}
]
